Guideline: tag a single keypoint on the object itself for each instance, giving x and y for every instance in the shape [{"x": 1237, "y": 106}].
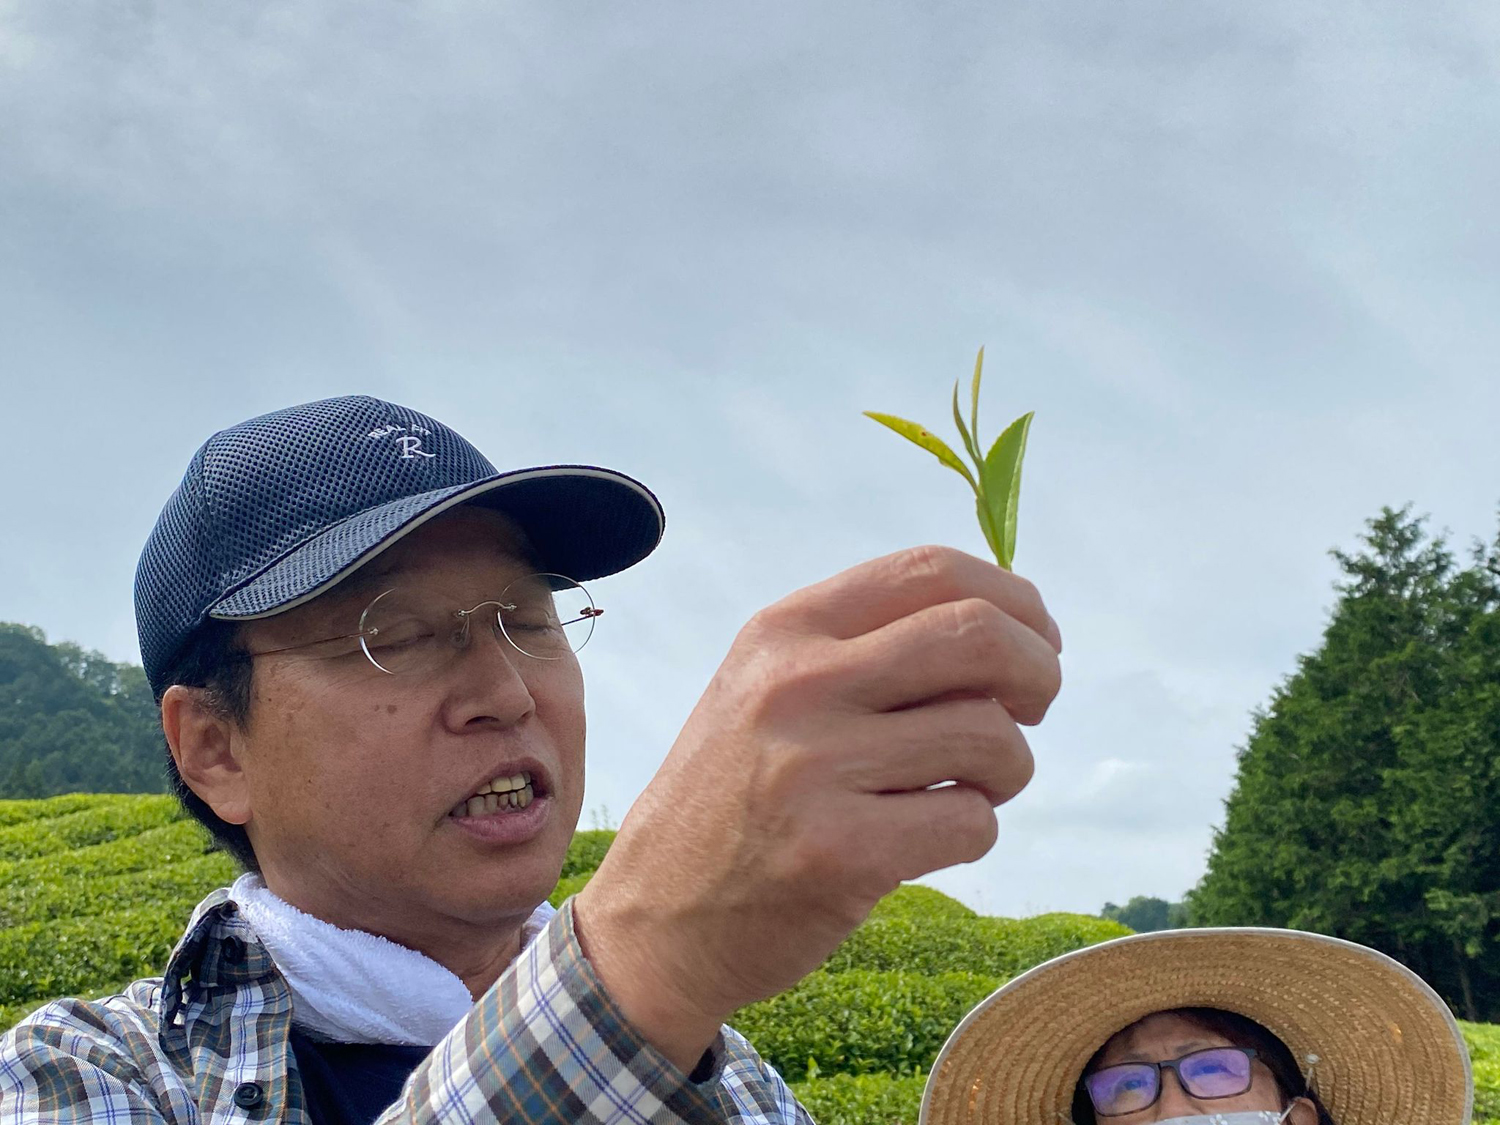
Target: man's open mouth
[{"x": 502, "y": 794}]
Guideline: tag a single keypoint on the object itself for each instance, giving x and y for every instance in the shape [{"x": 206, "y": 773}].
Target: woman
[{"x": 1207, "y": 1027}]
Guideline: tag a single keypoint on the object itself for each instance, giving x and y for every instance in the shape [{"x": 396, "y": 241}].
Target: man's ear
[
  {"x": 202, "y": 741},
  {"x": 1302, "y": 1112}
]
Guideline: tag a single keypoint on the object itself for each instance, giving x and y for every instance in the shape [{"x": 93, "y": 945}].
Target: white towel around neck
[{"x": 355, "y": 987}]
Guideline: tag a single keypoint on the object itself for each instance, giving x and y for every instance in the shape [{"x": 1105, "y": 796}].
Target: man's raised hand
[{"x": 801, "y": 789}]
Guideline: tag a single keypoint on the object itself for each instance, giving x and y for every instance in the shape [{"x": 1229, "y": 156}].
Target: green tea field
[{"x": 94, "y": 891}]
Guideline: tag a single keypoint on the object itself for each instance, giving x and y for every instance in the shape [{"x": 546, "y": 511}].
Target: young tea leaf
[
  {"x": 971, "y": 440},
  {"x": 974, "y": 401},
  {"x": 1002, "y": 485},
  {"x": 929, "y": 441},
  {"x": 997, "y": 483},
  {"x": 982, "y": 508}
]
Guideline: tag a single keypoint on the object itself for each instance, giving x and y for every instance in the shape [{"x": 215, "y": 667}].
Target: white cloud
[{"x": 1239, "y": 259}]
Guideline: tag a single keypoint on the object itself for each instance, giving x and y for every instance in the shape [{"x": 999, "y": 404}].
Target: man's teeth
[{"x": 501, "y": 793}]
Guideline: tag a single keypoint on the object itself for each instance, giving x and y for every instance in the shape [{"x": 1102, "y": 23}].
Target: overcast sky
[{"x": 1242, "y": 260}]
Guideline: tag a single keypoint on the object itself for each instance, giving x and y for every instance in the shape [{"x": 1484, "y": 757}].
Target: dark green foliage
[
  {"x": 861, "y": 1022},
  {"x": 586, "y": 852},
  {"x": 568, "y": 886},
  {"x": 1147, "y": 915},
  {"x": 862, "y": 1099},
  {"x": 73, "y": 721},
  {"x": 68, "y": 958},
  {"x": 1367, "y": 801}
]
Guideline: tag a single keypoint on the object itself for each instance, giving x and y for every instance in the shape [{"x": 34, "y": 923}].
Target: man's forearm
[{"x": 548, "y": 1043}]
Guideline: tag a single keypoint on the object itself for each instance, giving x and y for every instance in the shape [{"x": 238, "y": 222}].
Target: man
[{"x": 363, "y": 639}]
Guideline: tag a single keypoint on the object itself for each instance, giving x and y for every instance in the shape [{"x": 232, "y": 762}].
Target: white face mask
[{"x": 1242, "y": 1117}]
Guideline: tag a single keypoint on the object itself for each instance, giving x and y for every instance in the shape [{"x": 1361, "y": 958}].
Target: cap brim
[
  {"x": 584, "y": 522},
  {"x": 1378, "y": 1044}
]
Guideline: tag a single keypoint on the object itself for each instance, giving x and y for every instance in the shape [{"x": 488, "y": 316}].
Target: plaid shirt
[{"x": 208, "y": 1042}]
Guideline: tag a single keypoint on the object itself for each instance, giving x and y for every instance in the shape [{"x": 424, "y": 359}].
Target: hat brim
[
  {"x": 584, "y": 522},
  {"x": 1377, "y": 1044}
]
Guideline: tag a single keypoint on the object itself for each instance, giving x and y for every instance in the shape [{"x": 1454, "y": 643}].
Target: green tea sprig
[{"x": 996, "y": 478}]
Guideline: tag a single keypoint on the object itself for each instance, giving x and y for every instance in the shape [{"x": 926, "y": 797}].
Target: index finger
[{"x": 881, "y": 591}]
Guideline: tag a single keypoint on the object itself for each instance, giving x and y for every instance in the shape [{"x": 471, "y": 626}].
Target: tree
[
  {"x": 1366, "y": 797},
  {"x": 73, "y": 721},
  {"x": 1145, "y": 915}
]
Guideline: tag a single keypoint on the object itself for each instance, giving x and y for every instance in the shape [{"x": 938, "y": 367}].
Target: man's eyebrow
[
  {"x": 372, "y": 574},
  {"x": 355, "y": 591},
  {"x": 380, "y": 575},
  {"x": 374, "y": 570},
  {"x": 356, "y": 585}
]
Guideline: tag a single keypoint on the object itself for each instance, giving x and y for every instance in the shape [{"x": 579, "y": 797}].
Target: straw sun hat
[{"x": 1376, "y": 1043}]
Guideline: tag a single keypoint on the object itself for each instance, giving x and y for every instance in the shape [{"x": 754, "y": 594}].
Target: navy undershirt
[{"x": 352, "y": 1083}]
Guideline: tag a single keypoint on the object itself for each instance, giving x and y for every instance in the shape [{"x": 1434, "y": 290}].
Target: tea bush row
[
  {"x": 109, "y": 818},
  {"x": 171, "y": 843},
  {"x": 41, "y": 960},
  {"x": 568, "y": 886},
  {"x": 861, "y": 1022},
  {"x": 862, "y": 1099},
  {"x": 44, "y": 808},
  {"x": 586, "y": 852},
  {"x": 998, "y": 947},
  {"x": 912, "y": 900},
  {"x": 171, "y": 888},
  {"x": 1484, "y": 1049},
  {"x": 122, "y": 873}
]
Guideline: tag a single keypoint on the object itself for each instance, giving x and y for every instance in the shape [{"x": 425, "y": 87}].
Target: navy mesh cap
[{"x": 278, "y": 509}]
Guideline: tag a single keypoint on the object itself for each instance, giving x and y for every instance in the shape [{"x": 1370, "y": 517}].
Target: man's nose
[{"x": 491, "y": 669}]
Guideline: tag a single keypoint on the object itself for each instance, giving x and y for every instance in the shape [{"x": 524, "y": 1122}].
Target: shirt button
[
  {"x": 248, "y": 1095},
  {"x": 233, "y": 949}
]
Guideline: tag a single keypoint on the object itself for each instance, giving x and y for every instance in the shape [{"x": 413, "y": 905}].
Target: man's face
[{"x": 353, "y": 775}]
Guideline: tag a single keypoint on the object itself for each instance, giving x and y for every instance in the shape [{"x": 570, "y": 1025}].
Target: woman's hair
[{"x": 1240, "y": 1030}]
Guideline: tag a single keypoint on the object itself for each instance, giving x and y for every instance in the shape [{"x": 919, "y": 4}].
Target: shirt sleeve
[
  {"x": 750, "y": 1090},
  {"x": 548, "y": 1044},
  {"x": 63, "y": 1065}
]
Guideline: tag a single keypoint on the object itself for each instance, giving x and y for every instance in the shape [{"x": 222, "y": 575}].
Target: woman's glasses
[
  {"x": 1217, "y": 1072},
  {"x": 409, "y": 631}
]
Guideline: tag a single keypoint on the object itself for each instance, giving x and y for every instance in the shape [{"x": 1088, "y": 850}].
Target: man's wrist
[{"x": 654, "y": 1006}]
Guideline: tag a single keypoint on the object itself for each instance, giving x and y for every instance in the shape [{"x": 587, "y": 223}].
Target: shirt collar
[{"x": 217, "y": 952}]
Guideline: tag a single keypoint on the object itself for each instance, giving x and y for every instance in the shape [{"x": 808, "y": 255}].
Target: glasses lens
[
  {"x": 1220, "y": 1072},
  {"x": 401, "y": 632},
  {"x": 1122, "y": 1089},
  {"x": 547, "y": 616}
]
